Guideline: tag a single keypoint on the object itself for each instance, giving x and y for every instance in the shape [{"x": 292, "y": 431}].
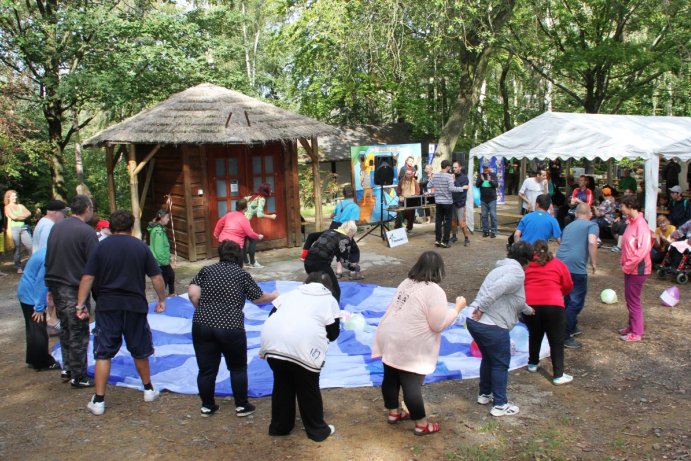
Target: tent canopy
[
  {"x": 561, "y": 135},
  {"x": 555, "y": 135}
]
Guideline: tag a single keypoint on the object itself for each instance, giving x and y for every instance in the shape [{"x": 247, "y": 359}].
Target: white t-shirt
[
  {"x": 531, "y": 189},
  {"x": 297, "y": 330}
]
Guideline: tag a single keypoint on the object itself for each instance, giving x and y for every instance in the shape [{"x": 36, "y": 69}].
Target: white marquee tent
[{"x": 558, "y": 135}]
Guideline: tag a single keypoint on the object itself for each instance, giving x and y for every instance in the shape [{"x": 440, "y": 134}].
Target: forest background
[{"x": 460, "y": 72}]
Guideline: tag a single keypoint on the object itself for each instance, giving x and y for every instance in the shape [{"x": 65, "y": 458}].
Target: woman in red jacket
[{"x": 547, "y": 281}]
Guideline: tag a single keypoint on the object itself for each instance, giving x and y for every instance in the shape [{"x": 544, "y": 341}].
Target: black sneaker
[
  {"x": 79, "y": 383},
  {"x": 436, "y": 244},
  {"x": 208, "y": 411},
  {"x": 466, "y": 242},
  {"x": 454, "y": 239},
  {"x": 493, "y": 235},
  {"x": 571, "y": 343},
  {"x": 485, "y": 234},
  {"x": 444, "y": 245},
  {"x": 65, "y": 375},
  {"x": 245, "y": 410},
  {"x": 577, "y": 331}
]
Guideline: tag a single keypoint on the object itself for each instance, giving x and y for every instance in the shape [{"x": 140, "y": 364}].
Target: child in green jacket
[{"x": 160, "y": 247}]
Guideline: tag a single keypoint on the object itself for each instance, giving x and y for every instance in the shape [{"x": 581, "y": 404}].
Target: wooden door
[
  {"x": 264, "y": 166},
  {"x": 238, "y": 171}
]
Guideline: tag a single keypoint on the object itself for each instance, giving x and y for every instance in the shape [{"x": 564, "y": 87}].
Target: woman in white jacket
[{"x": 294, "y": 340}]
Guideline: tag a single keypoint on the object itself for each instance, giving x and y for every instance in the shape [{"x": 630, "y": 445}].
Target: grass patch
[
  {"x": 327, "y": 210},
  {"x": 477, "y": 453},
  {"x": 546, "y": 444},
  {"x": 490, "y": 426}
]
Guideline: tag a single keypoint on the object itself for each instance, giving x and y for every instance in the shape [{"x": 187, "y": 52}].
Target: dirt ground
[{"x": 627, "y": 401}]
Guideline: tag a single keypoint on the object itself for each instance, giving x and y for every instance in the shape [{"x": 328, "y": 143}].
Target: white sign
[
  {"x": 397, "y": 237},
  {"x": 234, "y": 186}
]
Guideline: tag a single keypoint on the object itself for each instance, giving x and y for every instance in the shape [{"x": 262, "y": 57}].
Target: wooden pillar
[
  {"x": 189, "y": 210},
  {"x": 134, "y": 190},
  {"x": 317, "y": 185},
  {"x": 110, "y": 168}
]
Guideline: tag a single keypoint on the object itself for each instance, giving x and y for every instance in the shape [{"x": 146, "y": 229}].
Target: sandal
[
  {"x": 427, "y": 429},
  {"x": 396, "y": 417}
]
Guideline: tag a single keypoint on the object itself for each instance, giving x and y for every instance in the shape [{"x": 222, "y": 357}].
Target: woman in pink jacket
[
  {"x": 408, "y": 339},
  {"x": 636, "y": 265},
  {"x": 235, "y": 226}
]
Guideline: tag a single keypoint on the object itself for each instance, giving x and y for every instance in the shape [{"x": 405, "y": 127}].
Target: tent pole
[{"x": 652, "y": 166}]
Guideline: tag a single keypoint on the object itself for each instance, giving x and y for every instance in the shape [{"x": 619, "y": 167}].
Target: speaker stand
[{"x": 381, "y": 225}]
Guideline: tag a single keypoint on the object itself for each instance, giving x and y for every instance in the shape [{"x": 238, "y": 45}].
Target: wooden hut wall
[{"x": 180, "y": 172}]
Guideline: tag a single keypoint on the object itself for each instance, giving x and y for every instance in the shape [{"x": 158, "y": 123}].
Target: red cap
[{"x": 102, "y": 224}]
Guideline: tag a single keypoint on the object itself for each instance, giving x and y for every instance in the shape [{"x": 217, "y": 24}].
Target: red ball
[{"x": 475, "y": 350}]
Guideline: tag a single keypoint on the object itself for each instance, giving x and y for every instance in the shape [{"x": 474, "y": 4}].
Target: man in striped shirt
[{"x": 443, "y": 185}]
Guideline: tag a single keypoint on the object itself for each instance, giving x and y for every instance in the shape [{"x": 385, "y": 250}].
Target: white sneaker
[
  {"x": 484, "y": 399},
  {"x": 563, "y": 379},
  {"x": 96, "y": 408},
  {"x": 533, "y": 368},
  {"x": 150, "y": 396},
  {"x": 507, "y": 409},
  {"x": 615, "y": 249},
  {"x": 332, "y": 428}
]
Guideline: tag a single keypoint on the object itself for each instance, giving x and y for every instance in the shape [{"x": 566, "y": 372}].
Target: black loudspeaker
[{"x": 383, "y": 170}]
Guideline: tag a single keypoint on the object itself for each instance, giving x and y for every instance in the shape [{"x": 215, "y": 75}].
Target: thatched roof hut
[
  {"x": 211, "y": 114},
  {"x": 203, "y": 149}
]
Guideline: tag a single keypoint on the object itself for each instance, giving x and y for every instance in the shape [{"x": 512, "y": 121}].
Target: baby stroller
[{"x": 677, "y": 264}]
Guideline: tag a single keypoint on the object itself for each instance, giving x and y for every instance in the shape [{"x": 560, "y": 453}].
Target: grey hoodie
[{"x": 502, "y": 295}]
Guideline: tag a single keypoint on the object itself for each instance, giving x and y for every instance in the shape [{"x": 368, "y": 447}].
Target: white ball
[{"x": 609, "y": 296}]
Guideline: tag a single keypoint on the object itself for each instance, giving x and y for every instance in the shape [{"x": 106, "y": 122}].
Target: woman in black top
[{"x": 218, "y": 293}]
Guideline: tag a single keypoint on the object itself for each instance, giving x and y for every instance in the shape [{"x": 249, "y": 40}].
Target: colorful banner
[{"x": 368, "y": 195}]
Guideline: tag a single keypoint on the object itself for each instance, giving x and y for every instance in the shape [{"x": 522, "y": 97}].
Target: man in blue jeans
[
  {"x": 578, "y": 243},
  {"x": 487, "y": 183},
  {"x": 443, "y": 185}
]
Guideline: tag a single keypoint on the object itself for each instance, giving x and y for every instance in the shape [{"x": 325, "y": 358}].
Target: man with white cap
[
  {"x": 55, "y": 212},
  {"x": 679, "y": 207}
]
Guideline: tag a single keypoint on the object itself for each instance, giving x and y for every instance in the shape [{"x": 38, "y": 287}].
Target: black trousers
[
  {"x": 408, "y": 215},
  {"x": 291, "y": 381},
  {"x": 443, "y": 221},
  {"x": 168, "y": 275},
  {"x": 37, "y": 355},
  {"x": 210, "y": 344},
  {"x": 394, "y": 380},
  {"x": 326, "y": 268},
  {"x": 552, "y": 321}
]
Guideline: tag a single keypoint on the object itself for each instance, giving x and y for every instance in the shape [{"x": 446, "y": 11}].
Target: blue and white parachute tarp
[{"x": 348, "y": 362}]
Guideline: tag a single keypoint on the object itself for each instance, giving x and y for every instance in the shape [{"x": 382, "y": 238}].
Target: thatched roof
[
  {"x": 335, "y": 147},
  {"x": 210, "y": 114}
]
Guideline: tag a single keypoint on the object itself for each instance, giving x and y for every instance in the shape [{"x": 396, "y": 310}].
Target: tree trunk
[
  {"x": 505, "y": 93},
  {"x": 56, "y": 159},
  {"x": 472, "y": 76}
]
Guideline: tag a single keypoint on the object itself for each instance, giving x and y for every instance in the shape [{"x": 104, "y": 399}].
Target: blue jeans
[
  {"x": 491, "y": 208},
  {"x": 574, "y": 302},
  {"x": 495, "y": 345}
]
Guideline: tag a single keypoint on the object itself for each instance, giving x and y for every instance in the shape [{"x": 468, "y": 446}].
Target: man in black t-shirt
[
  {"x": 70, "y": 243},
  {"x": 116, "y": 271}
]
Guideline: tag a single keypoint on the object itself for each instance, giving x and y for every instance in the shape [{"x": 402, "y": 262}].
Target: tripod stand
[{"x": 381, "y": 225}]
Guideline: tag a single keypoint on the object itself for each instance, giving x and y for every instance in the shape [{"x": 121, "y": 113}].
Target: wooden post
[
  {"x": 134, "y": 190},
  {"x": 313, "y": 152},
  {"x": 317, "y": 185},
  {"x": 147, "y": 182},
  {"x": 189, "y": 210},
  {"x": 110, "y": 167}
]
